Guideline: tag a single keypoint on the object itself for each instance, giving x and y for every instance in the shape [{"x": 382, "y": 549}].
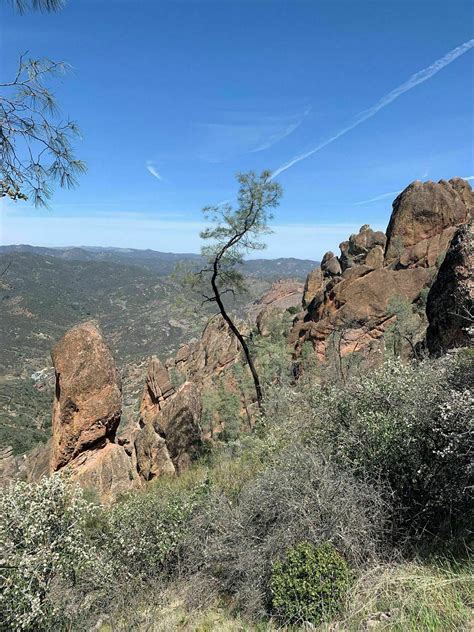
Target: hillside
[
  {"x": 141, "y": 310},
  {"x": 163, "y": 263}
]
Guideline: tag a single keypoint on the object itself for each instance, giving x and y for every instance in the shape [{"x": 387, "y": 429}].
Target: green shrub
[
  {"x": 408, "y": 426},
  {"x": 232, "y": 542},
  {"x": 309, "y": 584},
  {"x": 146, "y": 528},
  {"x": 221, "y": 406}
]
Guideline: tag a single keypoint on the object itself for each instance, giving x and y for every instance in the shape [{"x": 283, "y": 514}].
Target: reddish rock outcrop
[
  {"x": 314, "y": 287},
  {"x": 169, "y": 439},
  {"x": 153, "y": 458},
  {"x": 424, "y": 219},
  {"x": 215, "y": 351},
  {"x": 282, "y": 295},
  {"x": 450, "y": 303},
  {"x": 157, "y": 390},
  {"x": 357, "y": 302},
  {"x": 179, "y": 422},
  {"x": 88, "y": 399},
  {"x": 363, "y": 248},
  {"x": 107, "y": 471}
]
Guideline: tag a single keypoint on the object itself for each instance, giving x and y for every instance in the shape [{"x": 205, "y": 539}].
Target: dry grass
[
  {"x": 404, "y": 597},
  {"x": 410, "y": 597}
]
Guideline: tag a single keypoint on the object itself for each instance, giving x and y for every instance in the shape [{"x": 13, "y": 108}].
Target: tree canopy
[
  {"x": 234, "y": 233},
  {"x": 35, "y": 143}
]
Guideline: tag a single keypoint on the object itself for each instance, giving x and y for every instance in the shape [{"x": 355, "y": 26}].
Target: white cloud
[
  {"x": 390, "y": 193},
  {"x": 244, "y": 132},
  {"x": 150, "y": 165},
  {"x": 412, "y": 82}
]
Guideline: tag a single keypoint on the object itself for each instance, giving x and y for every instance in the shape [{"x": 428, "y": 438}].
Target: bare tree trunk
[{"x": 238, "y": 335}]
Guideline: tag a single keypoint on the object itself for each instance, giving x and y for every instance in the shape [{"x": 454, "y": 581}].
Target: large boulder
[
  {"x": 424, "y": 219},
  {"x": 330, "y": 265},
  {"x": 88, "y": 398},
  {"x": 450, "y": 303}
]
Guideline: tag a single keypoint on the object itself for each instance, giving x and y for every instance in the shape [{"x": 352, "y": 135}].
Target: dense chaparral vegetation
[{"x": 361, "y": 486}]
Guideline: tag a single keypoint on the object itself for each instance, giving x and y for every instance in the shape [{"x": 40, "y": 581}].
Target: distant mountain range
[{"x": 163, "y": 263}]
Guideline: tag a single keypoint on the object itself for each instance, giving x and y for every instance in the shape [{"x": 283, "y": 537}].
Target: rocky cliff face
[
  {"x": 450, "y": 304},
  {"x": 169, "y": 434},
  {"x": 213, "y": 353},
  {"x": 86, "y": 413},
  {"x": 352, "y": 294}
]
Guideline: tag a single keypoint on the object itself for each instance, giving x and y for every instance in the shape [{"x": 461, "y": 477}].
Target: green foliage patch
[{"x": 309, "y": 584}]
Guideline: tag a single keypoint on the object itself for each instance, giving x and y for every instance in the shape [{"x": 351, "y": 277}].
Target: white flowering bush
[
  {"x": 47, "y": 557},
  {"x": 146, "y": 529},
  {"x": 410, "y": 427}
]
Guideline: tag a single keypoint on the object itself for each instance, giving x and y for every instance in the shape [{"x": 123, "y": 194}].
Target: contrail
[
  {"x": 384, "y": 195},
  {"x": 375, "y": 199},
  {"x": 153, "y": 170},
  {"x": 414, "y": 80}
]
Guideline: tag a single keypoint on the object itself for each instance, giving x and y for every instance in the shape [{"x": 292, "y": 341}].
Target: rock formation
[
  {"x": 424, "y": 220},
  {"x": 88, "y": 398},
  {"x": 352, "y": 294},
  {"x": 282, "y": 296},
  {"x": 157, "y": 390},
  {"x": 169, "y": 437},
  {"x": 450, "y": 303},
  {"x": 86, "y": 413},
  {"x": 108, "y": 471},
  {"x": 365, "y": 248},
  {"x": 213, "y": 353}
]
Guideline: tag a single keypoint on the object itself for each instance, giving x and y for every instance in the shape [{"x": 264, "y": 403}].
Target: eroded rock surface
[
  {"x": 88, "y": 399},
  {"x": 157, "y": 390},
  {"x": 424, "y": 219},
  {"x": 352, "y": 294},
  {"x": 169, "y": 438},
  {"x": 107, "y": 471},
  {"x": 215, "y": 351},
  {"x": 450, "y": 303}
]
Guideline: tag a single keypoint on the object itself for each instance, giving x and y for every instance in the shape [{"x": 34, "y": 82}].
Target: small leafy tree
[
  {"x": 234, "y": 233},
  {"x": 35, "y": 145}
]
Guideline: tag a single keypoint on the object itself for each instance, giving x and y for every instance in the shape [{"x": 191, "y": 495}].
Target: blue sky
[{"x": 175, "y": 97}]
